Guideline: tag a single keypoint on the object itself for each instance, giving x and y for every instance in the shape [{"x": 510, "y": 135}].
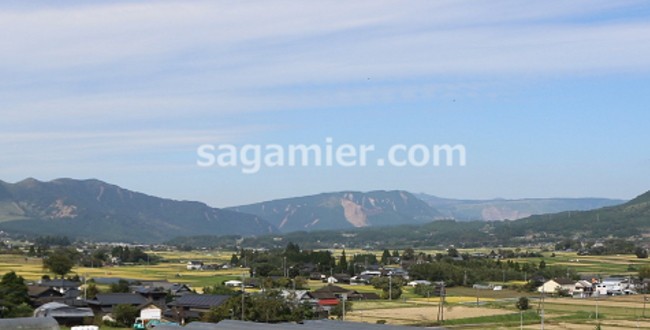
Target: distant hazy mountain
[
  {"x": 340, "y": 210},
  {"x": 626, "y": 220},
  {"x": 96, "y": 210},
  {"x": 511, "y": 209}
]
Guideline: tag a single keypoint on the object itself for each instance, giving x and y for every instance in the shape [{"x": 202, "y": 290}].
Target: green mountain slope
[
  {"x": 96, "y": 210},
  {"x": 342, "y": 210}
]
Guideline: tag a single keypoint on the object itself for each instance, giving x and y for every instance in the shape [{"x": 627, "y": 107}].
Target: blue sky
[{"x": 550, "y": 98}]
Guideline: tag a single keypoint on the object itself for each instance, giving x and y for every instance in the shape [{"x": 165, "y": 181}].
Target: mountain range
[
  {"x": 345, "y": 209},
  {"x": 99, "y": 211},
  {"x": 630, "y": 220},
  {"x": 95, "y": 210}
]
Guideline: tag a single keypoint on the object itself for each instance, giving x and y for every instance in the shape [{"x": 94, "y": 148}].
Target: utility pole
[
  {"x": 284, "y": 266},
  {"x": 542, "y": 313},
  {"x": 242, "y": 296},
  {"x": 645, "y": 298},
  {"x": 597, "y": 306},
  {"x": 390, "y": 286},
  {"x": 441, "y": 305},
  {"x": 344, "y": 297}
]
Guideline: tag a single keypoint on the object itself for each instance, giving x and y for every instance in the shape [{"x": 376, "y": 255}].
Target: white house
[
  {"x": 555, "y": 285},
  {"x": 583, "y": 289},
  {"x": 233, "y": 283},
  {"x": 418, "y": 282},
  {"x": 194, "y": 265},
  {"x": 612, "y": 286}
]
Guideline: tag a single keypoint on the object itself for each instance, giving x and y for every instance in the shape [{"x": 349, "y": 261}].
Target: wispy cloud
[{"x": 83, "y": 80}]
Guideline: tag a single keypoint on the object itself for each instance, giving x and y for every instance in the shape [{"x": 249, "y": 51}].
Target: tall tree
[
  {"x": 13, "y": 296},
  {"x": 234, "y": 260},
  {"x": 59, "y": 262},
  {"x": 385, "y": 257},
  {"x": 343, "y": 262}
]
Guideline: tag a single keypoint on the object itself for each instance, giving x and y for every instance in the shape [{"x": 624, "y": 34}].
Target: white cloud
[
  {"x": 329, "y": 38},
  {"x": 172, "y": 68}
]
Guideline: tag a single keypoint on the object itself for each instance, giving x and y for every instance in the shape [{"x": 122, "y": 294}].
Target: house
[
  {"x": 361, "y": 279},
  {"x": 613, "y": 286},
  {"x": 103, "y": 303},
  {"x": 61, "y": 285},
  {"x": 556, "y": 285},
  {"x": 373, "y": 273},
  {"x": 194, "y": 265},
  {"x": 336, "y": 292},
  {"x": 331, "y": 280},
  {"x": 396, "y": 272},
  {"x": 192, "y": 306},
  {"x": 40, "y": 295},
  {"x": 324, "y": 301},
  {"x": 297, "y": 296},
  {"x": 211, "y": 267},
  {"x": 64, "y": 314},
  {"x": 583, "y": 289},
  {"x": 338, "y": 278},
  {"x": 150, "y": 311},
  {"x": 175, "y": 289},
  {"x": 233, "y": 283},
  {"x": 418, "y": 282},
  {"x": 155, "y": 295}
]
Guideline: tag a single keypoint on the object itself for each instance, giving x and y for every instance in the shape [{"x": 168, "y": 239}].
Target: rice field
[{"x": 495, "y": 310}]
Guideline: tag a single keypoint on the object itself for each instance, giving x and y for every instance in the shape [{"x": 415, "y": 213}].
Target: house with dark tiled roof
[
  {"x": 40, "y": 295},
  {"x": 156, "y": 295},
  {"x": 61, "y": 285},
  {"x": 103, "y": 303},
  {"x": 175, "y": 289},
  {"x": 192, "y": 306}
]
